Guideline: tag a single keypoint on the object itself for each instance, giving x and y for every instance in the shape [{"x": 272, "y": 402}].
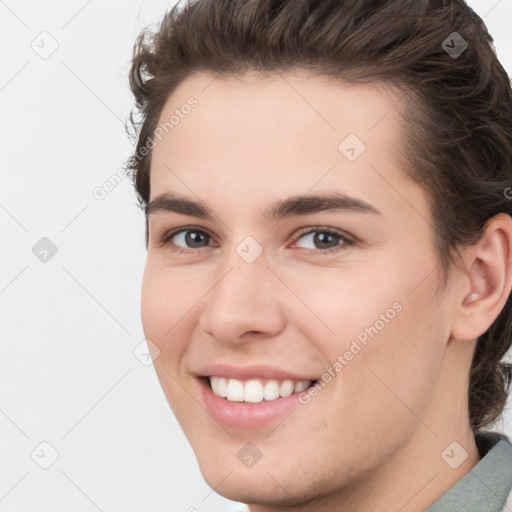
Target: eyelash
[{"x": 165, "y": 240}]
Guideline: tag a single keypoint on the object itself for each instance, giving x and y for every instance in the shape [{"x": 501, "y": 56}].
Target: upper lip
[{"x": 253, "y": 371}]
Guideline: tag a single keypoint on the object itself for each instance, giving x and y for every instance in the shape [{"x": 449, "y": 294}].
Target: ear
[{"x": 487, "y": 280}]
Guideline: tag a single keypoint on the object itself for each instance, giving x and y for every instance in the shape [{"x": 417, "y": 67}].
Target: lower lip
[{"x": 246, "y": 415}]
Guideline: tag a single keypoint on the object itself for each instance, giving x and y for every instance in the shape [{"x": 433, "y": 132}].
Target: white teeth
[
  {"x": 254, "y": 391},
  {"x": 286, "y": 388},
  {"x": 235, "y": 391},
  {"x": 301, "y": 386},
  {"x": 271, "y": 390},
  {"x": 223, "y": 387},
  {"x": 219, "y": 386}
]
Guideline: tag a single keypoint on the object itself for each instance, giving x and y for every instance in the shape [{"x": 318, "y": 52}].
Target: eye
[
  {"x": 325, "y": 240},
  {"x": 186, "y": 238}
]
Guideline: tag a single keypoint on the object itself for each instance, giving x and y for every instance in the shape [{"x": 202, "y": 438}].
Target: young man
[{"x": 329, "y": 235}]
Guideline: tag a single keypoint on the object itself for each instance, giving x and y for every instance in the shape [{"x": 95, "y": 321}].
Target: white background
[{"x": 68, "y": 328}]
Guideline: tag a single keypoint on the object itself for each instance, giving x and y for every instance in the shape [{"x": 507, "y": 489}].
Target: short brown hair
[{"x": 456, "y": 115}]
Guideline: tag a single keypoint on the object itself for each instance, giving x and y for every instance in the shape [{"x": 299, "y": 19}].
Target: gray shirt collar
[{"x": 487, "y": 486}]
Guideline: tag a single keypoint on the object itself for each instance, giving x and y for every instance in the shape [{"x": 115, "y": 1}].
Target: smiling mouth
[{"x": 256, "y": 391}]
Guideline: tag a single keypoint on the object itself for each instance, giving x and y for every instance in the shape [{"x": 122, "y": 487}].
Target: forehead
[{"x": 250, "y": 137}]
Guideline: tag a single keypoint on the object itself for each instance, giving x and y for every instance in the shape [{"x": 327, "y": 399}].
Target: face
[{"x": 338, "y": 297}]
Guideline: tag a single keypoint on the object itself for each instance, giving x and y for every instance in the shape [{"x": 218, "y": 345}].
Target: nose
[{"x": 246, "y": 303}]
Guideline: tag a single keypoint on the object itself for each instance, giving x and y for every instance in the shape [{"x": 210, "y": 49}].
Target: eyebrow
[{"x": 292, "y": 206}]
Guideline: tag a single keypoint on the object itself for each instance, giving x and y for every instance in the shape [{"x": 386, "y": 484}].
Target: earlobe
[{"x": 488, "y": 276}]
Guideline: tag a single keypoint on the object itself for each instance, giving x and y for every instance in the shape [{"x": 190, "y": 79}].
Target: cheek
[
  {"x": 394, "y": 369},
  {"x": 379, "y": 329},
  {"x": 152, "y": 305},
  {"x": 381, "y": 293},
  {"x": 164, "y": 302},
  {"x": 355, "y": 301}
]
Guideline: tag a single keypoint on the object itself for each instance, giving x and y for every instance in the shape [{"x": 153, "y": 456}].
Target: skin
[{"x": 372, "y": 439}]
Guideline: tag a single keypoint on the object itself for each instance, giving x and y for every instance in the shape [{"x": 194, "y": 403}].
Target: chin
[{"x": 279, "y": 480}]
